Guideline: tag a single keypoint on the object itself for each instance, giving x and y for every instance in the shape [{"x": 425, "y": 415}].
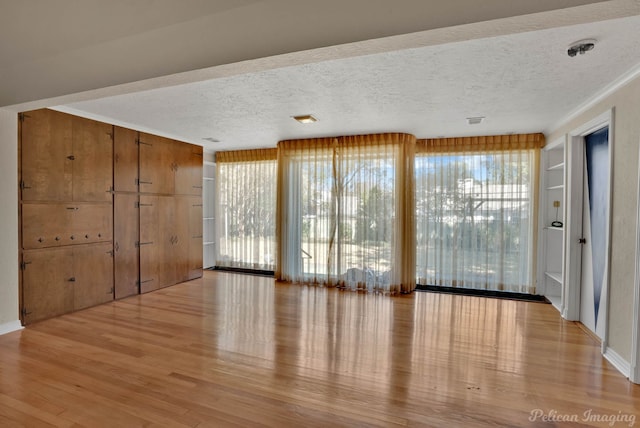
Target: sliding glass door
[{"x": 343, "y": 206}]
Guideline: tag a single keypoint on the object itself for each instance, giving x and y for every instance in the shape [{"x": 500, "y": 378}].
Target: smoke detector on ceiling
[{"x": 581, "y": 47}]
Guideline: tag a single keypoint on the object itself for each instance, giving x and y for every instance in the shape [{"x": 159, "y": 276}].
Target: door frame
[{"x": 575, "y": 199}]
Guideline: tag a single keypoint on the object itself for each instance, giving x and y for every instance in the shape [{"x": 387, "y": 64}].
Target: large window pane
[
  {"x": 342, "y": 217},
  {"x": 475, "y": 220},
  {"x": 246, "y": 216}
]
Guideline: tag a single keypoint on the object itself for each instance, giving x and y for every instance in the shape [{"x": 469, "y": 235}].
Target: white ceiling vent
[{"x": 475, "y": 120}]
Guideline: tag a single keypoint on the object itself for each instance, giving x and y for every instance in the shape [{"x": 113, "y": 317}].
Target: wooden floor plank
[{"x": 237, "y": 350}]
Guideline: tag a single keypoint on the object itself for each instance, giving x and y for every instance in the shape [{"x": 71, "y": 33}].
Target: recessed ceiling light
[
  {"x": 307, "y": 118},
  {"x": 475, "y": 120},
  {"x": 211, "y": 139}
]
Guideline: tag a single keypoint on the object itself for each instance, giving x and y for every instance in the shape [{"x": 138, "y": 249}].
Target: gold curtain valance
[
  {"x": 370, "y": 140},
  {"x": 491, "y": 143},
  {"x": 255, "y": 155}
]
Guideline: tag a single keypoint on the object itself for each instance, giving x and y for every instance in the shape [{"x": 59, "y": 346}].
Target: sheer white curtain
[
  {"x": 246, "y": 214},
  {"x": 476, "y": 212},
  {"x": 345, "y": 206}
]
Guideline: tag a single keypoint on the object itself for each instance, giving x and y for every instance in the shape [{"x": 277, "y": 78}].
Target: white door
[{"x": 595, "y": 227}]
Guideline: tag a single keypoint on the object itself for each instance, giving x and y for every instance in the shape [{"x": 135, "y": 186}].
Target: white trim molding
[
  {"x": 618, "y": 362},
  {"x": 596, "y": 98},
  {"x": 10, "y": 327},
  {"x": 574, "y": 187},
  {"x": 634, "y": 375}
]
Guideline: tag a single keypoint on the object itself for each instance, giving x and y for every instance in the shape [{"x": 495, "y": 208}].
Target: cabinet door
[
  {"x": 180, "y": 248},
  {"x": 188, "y": 169},
  {"x": 45, "y": 151},
  {"x": 93, "y": 160},
  {"x": 47, "y": 289},
  {"x": 93, "y": 275},
  {"x": 125, "y": 160},
  {"x": 168, "y": 219},
  {"x": 157, "y": 166},
  {"x": 47, "y": 225},
  {"x": 53, "y": 225},
  {"x": 125, "y": 246},
  {"x": 92, "y": 223},
  {"x": 149, "y": 243},
  {"x": 195, "y": 237}
]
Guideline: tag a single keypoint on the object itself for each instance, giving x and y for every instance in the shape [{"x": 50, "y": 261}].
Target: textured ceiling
[
  {"x": 55, "y": 48},
  {"x": 522, "y": 82}
]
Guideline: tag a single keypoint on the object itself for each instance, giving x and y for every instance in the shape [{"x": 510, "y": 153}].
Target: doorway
[
  {"x": 588, "y": 226},
  {"x": 595, "y": 215}
]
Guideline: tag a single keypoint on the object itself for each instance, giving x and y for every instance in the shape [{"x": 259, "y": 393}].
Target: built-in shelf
[
  {"x": 556, "y": 276},
  {"x": 208, "y": 178},
  {"x": 558, "y": 187},
  {"x": 552, "y": 208},
  {"x": 556, "y": 301},
  {"x": 208, "y": 218},
  {"x": 208, "y": 243},
  {"x": 556, "y": 167}
]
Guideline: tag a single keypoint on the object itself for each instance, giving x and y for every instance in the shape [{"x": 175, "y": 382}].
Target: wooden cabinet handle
[{"x": 72, "y": 279}]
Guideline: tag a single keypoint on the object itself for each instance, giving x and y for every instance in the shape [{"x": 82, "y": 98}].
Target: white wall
[
  {"x": 626, "y": 127},
  {"x": 8, "y": 221}
]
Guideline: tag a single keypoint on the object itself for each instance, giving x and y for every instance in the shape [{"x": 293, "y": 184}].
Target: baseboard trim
[
  {"x": 618, "y": 362},
  {"x": 10, "y": 327}
]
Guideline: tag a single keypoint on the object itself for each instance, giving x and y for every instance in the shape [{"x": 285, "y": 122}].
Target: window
[
  {"x": 382, "y": 212},
  {"x": 343, "y": 209},
  {"x": 475, "y": 218},
  {"x": 246, "y": 200}
]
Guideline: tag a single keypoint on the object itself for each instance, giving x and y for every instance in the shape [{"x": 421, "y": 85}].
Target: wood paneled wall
[{"x": 105, "y": 212}]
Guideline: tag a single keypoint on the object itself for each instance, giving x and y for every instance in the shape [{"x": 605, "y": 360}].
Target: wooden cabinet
[
  {"x": 173, "y": 240},
  {"x": 92, "y": 160},
  {"x": 47, "y": 289},
  {"x": 188, "y": 169},
  {"x": 93, "y": 275},
  {"x": 149, "y": 243},
  {"x": 60, "y": 280},
  {"x": 105, "y": 212},
  {"x": 66, "y": 213},
  {"x": 125, "y": 160},
  {"x": 65, "y": 158},
  {"x": 157, "y": 166},
  {"x": 170, "y": 240},
  {"x": 125, "y": 245},
  {"x": 46, "y": 147},
  {"x": 170, "y": 221},
  {"x": 57, "y": 224}
]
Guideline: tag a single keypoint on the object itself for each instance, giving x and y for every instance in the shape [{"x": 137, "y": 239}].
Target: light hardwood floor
[{"x": 237, "y": 350}]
